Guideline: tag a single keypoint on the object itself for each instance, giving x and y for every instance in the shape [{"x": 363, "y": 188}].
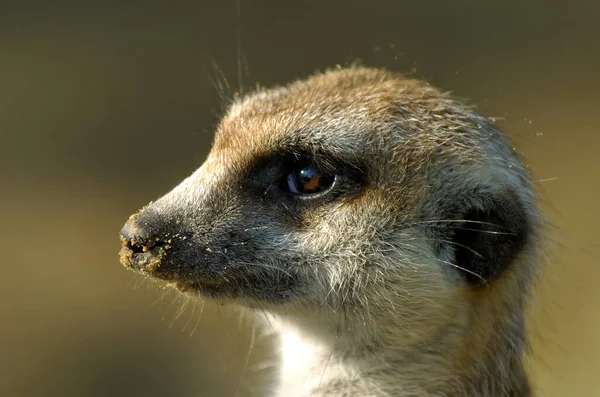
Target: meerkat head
[{"x": 356, "y": 192}]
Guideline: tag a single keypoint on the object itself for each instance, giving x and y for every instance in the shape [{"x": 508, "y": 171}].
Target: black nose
[
  {"x": 140, "y": 245},
  {"x": 137, "y": 236}
]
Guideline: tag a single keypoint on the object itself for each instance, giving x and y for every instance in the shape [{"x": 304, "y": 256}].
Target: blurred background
[{"x": 106, "y": 105}]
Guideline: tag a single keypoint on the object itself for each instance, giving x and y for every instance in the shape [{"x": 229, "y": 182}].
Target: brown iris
[{"x": 308, "y": 180}]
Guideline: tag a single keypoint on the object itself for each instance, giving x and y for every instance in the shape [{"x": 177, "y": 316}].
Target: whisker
[
  {"x": 186, "y": 301},
  {"x": 429, "y": 221},
  {"x": 191, "y": 314},
  {"x": 176, "y": 299},
  {"x": 165, "y": 292},
  {"x": 461, "y": 269},
  {"x": 451, "y": 243},
  {"x": 484, "y": 231},
  {"x": 246, "y": 361},
  {"x": 199, "y": 317}
]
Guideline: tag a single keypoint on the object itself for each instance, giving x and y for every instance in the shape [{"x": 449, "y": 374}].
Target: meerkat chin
[{"x": 390, "y": 231}]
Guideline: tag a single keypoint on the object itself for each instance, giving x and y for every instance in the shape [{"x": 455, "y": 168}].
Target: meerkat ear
[{"x": 489, "y": 238}]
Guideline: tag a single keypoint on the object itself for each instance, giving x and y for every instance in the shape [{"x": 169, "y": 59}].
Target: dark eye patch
[{"x": 268, "y": 175}]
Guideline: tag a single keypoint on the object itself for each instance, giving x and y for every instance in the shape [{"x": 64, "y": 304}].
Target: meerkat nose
[
  {"x": 139, "y": 245},
  {"x": 136, "y": 235}
]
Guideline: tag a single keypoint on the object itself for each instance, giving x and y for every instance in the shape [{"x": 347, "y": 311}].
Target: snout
[{"x": 144, "y": 248}]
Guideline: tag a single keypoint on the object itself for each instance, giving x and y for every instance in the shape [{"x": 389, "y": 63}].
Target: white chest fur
[{"x": 308, "y": 367}]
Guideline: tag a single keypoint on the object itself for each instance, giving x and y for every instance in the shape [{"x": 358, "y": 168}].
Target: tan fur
[{"x": 379, "y": 311}]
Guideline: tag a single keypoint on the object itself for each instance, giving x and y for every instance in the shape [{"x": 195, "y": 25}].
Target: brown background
[{"x": 105, "y": 105}]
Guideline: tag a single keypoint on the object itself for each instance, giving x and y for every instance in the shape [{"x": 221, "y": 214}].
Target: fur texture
[{"x": 408, "y": 277}]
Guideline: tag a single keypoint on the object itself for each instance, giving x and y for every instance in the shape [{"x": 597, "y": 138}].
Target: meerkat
[{"x": 390, "y": 232}]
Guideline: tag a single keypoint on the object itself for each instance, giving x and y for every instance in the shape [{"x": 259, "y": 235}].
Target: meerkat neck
[
  {"x": 333, "y": 365},
  {"x": 319, "y": 365}
]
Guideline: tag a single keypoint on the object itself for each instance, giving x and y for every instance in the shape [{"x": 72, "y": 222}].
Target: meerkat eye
[{"x": 309, "y": 180}]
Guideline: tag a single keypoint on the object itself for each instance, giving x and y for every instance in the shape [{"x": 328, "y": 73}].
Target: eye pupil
[{"x": 309, "y": 179}]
